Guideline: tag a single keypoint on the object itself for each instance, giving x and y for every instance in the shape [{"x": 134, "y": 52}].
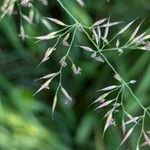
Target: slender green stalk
[{"x": 61, "y": 68}]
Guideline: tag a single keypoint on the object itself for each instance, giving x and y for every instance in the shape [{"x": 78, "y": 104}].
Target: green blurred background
[{"x": 25, "y": 121}]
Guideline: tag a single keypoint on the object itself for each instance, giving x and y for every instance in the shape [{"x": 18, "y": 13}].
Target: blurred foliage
[{"x": 25, "y": 121}]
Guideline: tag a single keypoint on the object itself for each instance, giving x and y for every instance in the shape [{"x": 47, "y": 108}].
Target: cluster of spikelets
[
  {"x": 98, "y": 35},
  {"x": 8, "y": 5}
]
